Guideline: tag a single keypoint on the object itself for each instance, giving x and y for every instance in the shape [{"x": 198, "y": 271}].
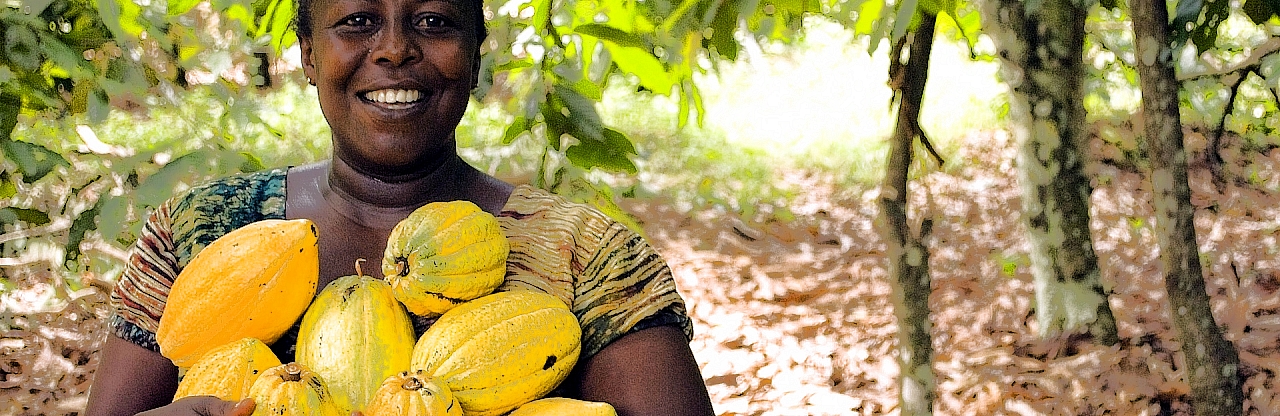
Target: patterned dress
[{"x": 612, "y": 280}]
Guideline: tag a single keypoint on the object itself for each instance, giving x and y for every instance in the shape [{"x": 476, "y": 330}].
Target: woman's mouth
[{"x": 393, "y": 98}]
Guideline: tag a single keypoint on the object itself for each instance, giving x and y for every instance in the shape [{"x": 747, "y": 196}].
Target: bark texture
[
  {"x": 1212, "y": 361},
  {"x": 1041, "y": 47},
  {"x": 908, "y": 255}
]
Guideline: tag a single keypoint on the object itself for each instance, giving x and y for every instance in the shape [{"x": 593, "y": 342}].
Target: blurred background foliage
[{"x": 109, "y": 107}]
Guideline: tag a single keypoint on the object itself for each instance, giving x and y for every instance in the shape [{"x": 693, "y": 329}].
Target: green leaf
[
  {"x": 7, "y": 188},
  {"x": 33, "y": 160},
  {"x": 10, "y": 106},
  {"x": 582, "y": 115},
  {"x": 282, "y": 31},
  {"x": 12, "y": 215},
  {"x": 113, "y": 215},
  {"x": 588, "y": 89},
  {"x": 1197, "y": 21},
  {"x": 519, "y": 127},
  {"x": 879, "y": 28},
  {"x": 83, "y": 223},
  {"x": 610, "y": 153},
  {"x": 121, "y": 17},
  {"x": 723, "y": 27},
  {"x": 936, "y": 7},
  {"x": 251, "y": 163},
  {"x": 902, "y": 21},
  {"x": 642, "y": 64},
  {"x": 869, "y": 12},
  {"x": 557, "y": 123},
  {"x": 62, "y": 56},
  {"x": 177, "y": 7},
  {"x": 1260, "y": 11},
  {"x": 612, "y": 34},
  {"x": 162, "y": 184},
  {"x": 541, "y": 12},
  {"x": 22, "y": 48}
]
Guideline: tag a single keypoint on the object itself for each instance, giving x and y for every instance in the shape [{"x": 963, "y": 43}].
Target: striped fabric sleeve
[
  {"x": 143, "y": 288},
  {"x": 625, "y": 286},
  {"x": 613, "y": 280}
]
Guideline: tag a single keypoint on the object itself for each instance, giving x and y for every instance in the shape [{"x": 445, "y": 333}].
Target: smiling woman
[{"x": 393, "y": 79}]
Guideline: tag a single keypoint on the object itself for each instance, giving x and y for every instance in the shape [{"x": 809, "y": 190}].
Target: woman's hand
[{"x": 203, "y": 406}]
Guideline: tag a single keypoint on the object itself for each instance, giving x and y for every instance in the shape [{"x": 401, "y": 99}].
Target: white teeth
[{"x": 390, "y": 96}]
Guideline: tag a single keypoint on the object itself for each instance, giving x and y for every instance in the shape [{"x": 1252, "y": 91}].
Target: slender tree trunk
[
  {"x": 1212, "y": 361},
  {"x": 908, "y": 256},
  {"x": 1041, "y": 49}
]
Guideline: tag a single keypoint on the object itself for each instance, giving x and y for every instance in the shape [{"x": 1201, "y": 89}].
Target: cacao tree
[
  {"x": 907, "y": 252},
  {"x": 1040, "y": 45},
  {"x": 1212, "y": 361}
]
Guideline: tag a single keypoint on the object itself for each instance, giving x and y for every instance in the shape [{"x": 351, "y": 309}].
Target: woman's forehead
[{"x": 322, "y": 3}]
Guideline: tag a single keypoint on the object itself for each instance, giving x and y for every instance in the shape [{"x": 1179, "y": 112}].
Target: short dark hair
[{"x": 302, "y": 19}]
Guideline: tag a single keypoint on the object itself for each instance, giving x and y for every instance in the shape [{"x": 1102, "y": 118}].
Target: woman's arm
[
  {"x": 648, "y": 372},
  {"x": 130, "y": 379}
]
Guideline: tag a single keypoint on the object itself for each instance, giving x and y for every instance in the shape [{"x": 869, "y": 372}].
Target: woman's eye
[
  {"x": 357, "y": 21},
  {"x": 433, "y": 21}
]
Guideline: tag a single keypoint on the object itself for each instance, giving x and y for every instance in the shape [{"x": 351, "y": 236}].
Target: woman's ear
[{"x": 308, "y": 64}]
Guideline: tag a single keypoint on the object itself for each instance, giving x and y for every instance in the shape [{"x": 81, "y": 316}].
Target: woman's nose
[{"x": 393, "y": 45}]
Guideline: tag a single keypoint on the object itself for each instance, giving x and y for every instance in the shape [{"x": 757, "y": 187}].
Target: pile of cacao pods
[{"x": 486, "y": 354}]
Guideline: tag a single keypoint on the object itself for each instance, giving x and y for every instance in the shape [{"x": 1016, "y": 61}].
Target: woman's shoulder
[
  {"x": 261, "y": 184},
  {"x": 218, "y": 206},
  {"x": 531, "y": 203}
]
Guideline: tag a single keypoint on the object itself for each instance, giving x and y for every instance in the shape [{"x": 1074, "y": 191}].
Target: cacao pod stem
[{"x": 292, "y": 372}]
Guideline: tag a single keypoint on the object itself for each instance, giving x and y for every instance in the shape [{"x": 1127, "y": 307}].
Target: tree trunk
[
  {"x": 1212, "y": 361},
  {"x": 908, "y": 256},
  {"x": 1041, "y": 50}
]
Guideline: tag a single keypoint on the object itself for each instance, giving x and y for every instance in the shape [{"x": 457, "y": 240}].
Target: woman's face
[{"x": 393, "y": 77}]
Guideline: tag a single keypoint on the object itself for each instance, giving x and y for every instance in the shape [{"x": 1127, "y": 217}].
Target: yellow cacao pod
[
  {"x": 292, "y": 389},
  {"x": 501, "y": 351},
  {"x": 443, "y": 254},
  {"x": 227, "y": 372},
  {"x": 252, "y": 282},
  {"x": 355, "y": 335},
  {"x": 412, "y": 394},
  {"x": 560, "y": 406}
]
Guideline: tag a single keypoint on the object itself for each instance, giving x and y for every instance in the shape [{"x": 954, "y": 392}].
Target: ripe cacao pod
[
  {"x": 292, "y": 389},
  {"x": 443, "y": 254},
  {"x": 412, "y": 394},
  {"x": 501, "y": 351},
  {"x": 252, "y": 282},
  {"x": 560, "y": 406},
  {"x": 355, "y": 335},
  {"x": 227, "y": 372}
]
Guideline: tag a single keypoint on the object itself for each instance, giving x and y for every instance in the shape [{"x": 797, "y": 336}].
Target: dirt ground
[{"x": 797, "y": 318}]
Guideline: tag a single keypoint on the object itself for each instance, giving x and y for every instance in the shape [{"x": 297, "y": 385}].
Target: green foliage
[
  {"x": 1198, "y": 20},
  {"x": 1261, "y": 11}
]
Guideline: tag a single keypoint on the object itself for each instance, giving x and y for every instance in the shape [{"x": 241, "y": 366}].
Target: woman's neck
[{"x": 380, "y": 202}]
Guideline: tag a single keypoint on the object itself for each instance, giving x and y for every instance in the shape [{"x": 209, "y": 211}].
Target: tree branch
[
  {"x": 928, "y": 144},
  {"x": 1254, "y": 60},
  {"x": 60, "y": 224}
]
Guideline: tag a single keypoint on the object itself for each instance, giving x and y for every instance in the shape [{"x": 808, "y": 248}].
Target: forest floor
[{"x": 797, "y": 317}]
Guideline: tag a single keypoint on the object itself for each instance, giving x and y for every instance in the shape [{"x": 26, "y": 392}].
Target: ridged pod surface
[
  {"x": 355, "y": 335},
  {"x": 560, "y": 406},
  {"x": 254, "y": 282},
  {"x": 443, "y": 254},
  {"x": 292, "y": 389},
  {"x": 227, "y": 372},
  {"x": 501, "y": 350},
  {"x": 412, "y": 394}
]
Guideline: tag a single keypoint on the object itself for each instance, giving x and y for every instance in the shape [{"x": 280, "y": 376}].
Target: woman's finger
[{"x": 243, "y": 408}]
